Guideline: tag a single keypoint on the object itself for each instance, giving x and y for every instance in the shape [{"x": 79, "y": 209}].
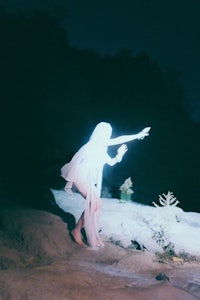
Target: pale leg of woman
[{"x": 76, "y": 232}]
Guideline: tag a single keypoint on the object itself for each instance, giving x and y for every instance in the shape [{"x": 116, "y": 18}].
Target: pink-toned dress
[{"x": 85, "y": 172}]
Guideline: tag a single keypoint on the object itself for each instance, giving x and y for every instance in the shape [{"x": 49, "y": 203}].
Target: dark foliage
[{"x": 52, "y": 96}]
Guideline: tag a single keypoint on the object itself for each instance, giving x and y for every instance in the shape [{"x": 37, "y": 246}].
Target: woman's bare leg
[
  {"x": 76, "y": 232},
  {"x": 90, "y": 217}
]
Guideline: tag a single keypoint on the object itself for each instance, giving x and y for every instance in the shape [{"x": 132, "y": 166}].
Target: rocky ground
[{"x": 38, "y": 260}]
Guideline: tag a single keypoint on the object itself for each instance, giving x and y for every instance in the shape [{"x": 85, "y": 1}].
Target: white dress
[{"x": 85, "y": 172}]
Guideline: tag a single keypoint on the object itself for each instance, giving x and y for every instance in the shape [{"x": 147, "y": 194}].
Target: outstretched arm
[{"x": 127, "y": 138}]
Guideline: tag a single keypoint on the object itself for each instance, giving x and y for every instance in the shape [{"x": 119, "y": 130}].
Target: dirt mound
[{"x": 30, "y": 237}]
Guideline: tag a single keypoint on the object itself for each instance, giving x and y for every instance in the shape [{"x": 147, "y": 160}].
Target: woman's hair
[{"x": 102, "y": 132}]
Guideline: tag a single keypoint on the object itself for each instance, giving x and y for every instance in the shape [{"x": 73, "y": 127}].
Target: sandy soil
[{"x": 38, "y": 260}]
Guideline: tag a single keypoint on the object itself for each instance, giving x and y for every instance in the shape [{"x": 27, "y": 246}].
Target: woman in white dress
[{"x": 84, "y": 171}]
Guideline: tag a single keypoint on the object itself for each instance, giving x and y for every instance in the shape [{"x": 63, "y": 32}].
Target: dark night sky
[{"x": 169, "y": 31}]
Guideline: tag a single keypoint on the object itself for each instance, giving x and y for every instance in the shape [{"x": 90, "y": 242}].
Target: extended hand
[
  {"x": 122, "y": 150},
  {"x": 143, "y": 133}
]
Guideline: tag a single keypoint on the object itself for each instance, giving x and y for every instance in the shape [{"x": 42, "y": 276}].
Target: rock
[
  {"x": 162, "y": 277},
  {"x": 39, "y": 261},
  {"x": 30, "y": 236}
]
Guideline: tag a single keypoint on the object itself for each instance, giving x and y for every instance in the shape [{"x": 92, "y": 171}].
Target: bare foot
[
  {"x": 77, "y": 238},
  {"x": 99, "y": 243},
  {"x": 93, "y": 248}
]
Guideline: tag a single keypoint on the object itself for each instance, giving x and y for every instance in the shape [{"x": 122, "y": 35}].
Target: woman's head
[{"x": 102, "y": 133}]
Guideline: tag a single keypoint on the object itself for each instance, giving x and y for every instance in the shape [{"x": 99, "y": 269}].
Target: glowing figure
[{"x": 84, "y": 171}]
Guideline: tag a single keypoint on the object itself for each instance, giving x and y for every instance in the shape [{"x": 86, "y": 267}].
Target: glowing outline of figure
[{"x": 84, "y": 171}]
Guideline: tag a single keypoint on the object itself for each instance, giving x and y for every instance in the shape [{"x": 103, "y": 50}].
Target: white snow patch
[{"x": 130, "y": 221}]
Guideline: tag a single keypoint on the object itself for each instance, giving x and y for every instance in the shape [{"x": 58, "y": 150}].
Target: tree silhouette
[{"x": 53, "y": 95}]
